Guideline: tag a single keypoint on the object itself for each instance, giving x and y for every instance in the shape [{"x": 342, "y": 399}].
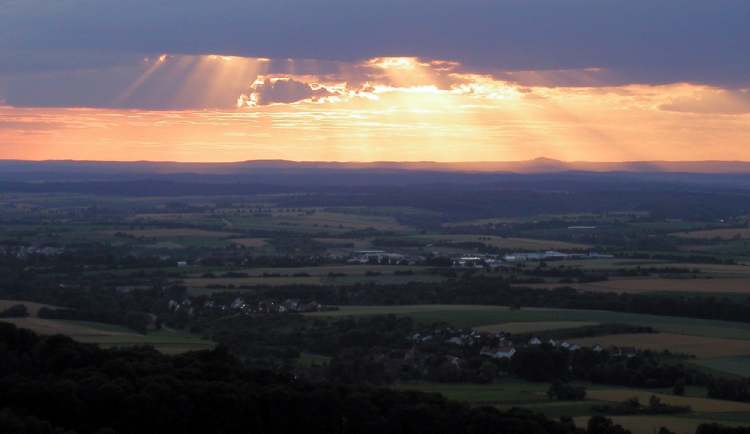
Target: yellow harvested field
[
  {"x": 724, "y": 234},
  {"x": 532, "y": 327},
  {"x": 699, "y": 346},
  {"x": 652, "y": 424},
  {"x": 700, "y": 405},
  {"x": 718, "y": 285},
  {"x": 251, "y": 242},
  {"x": 32, "y": 308}
]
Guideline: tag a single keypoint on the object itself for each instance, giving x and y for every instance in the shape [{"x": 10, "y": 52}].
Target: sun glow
[{"x": 225, "y": 108}]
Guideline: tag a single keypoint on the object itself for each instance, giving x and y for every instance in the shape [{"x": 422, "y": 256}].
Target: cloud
[
  {"x": 282, "y": 90},
  {"x": 718, "y": 101},
  {"x": 637, "y": 41}
]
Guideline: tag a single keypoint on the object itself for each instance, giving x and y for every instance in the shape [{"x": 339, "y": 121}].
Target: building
[{"x": 501, "y": 352}]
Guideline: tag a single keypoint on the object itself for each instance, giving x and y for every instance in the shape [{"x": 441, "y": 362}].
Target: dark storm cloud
[
  {"x": 285, "y": 91},
  {"x": 644, "y": 41}
]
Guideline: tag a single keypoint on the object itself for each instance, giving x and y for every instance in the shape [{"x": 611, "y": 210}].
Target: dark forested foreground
[{"x": 55, "y": 385}]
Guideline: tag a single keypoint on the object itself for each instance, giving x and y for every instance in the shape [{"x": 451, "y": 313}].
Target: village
[{"x": 476, "y": 260}]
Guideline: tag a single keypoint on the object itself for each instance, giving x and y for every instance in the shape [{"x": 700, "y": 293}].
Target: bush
[
  {"x": 16, "y": 311},
  {"x": 566, "y": 392}
]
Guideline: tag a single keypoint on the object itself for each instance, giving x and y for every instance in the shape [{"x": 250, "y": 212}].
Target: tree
[
  {"x": 679, "y": 387},
  {"x": 566, "y": 392},
  {"x": 16, "y": 311},
  {"x": 603, "y": 425}
]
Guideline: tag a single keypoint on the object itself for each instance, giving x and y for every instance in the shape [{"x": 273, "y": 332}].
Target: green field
[
  {"x": 324, "y": 275},
  {"x": 731, "y": 365},
  {"x": 109, "y": 335},
  {"x": 31, "y": 308},
  {"x": 503, "y": 242},
  {"x": 700, "y": 346},
  {"x": 532, "y": 396},
  {"x": 724, "y": 285},
  {"x": 508, "y": 393},
  {"x": 652, "y": 424},
  {"x": 475, "y": 316},
  {"x": 532, "y": 327}
]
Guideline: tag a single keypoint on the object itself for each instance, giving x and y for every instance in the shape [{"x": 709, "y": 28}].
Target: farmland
[
  {"x": 532, "y": 396},
  {"x": 722, "y": 234},
  {"x": 107, "y": 335},
  {"x": 503, "y": 243},
  {"x": 32, "y": 308},
  {"x": 301, "y": 285},
  {"x": 495, "y": 316},
  {"x": 534, "y": 326},
  {"x": 735, "y": 365},
  {"x": 698, "y": 285},
  {"x": 699, "y": 346}
]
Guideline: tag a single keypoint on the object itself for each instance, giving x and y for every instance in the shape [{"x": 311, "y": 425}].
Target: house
[
  {"x": 455, "y": 341},
  {"x": 501, "y": 352},
  {"x": 570, "y": 347},
  {"x": 553, "y": 255},
  {"x": 628, "y": 352},
  {"x": 535, "y": 341},
  {"x": 597, "y": 348},
  {"x": 182, "y": 264},
  {"x": 237, "y": 303},
  {"x": 468, "y": 262}
]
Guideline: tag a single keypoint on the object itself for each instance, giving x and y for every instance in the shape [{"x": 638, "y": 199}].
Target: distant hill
[{"x": 539, "y": 165}]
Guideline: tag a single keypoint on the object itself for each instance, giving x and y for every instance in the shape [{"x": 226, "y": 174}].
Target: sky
[{"x": 375, "y": 80}]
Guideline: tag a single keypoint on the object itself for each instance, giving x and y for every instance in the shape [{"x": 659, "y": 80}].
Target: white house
[{"x": 502, "y": 352}]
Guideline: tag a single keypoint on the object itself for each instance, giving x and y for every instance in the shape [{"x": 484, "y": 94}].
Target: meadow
[
  {"x": 476, "y": 316},
  {"x": 512, "y": 243},
  {"x": 642, "y": 285},
  {"x": 532, "y": 396},
  {"x": 739, "y": 365},
  {"x": 105, "y": 335},
  {"x": 533, "y": 327},
  {"x": 322, "y": 275},
  {"x": 699, "y": 346},
  {"x": 31, "y": 308},
  {"x": 722, "y": 234}
]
